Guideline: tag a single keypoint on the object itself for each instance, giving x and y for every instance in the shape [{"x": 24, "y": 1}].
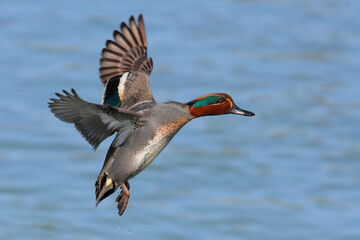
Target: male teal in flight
[{"x": 142, "y": 127}]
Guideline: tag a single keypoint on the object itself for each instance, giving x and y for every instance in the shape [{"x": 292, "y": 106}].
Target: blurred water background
[{"x": 290, "y": 172}]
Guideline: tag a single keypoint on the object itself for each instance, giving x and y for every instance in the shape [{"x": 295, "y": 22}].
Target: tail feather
[{"x": 104, "y": 187}]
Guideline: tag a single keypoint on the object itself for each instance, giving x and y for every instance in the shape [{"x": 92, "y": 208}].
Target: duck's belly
[{"x": 152, "y": 149}]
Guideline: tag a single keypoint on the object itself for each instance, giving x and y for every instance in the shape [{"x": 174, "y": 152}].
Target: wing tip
[
  {"x": 131, "y": 19},
  {"x": 130, "y": 37}
]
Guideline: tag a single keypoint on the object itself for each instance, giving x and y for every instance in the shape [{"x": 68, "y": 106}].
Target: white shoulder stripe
[
  {"x": 103, "y": 96},
  {"x": 121, "y": 86}
]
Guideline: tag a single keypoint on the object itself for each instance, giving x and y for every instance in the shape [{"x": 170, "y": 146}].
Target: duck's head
[{"x": 215, "y": 104}]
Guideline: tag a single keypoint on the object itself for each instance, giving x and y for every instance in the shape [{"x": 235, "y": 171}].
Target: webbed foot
[{"x": 123, "y": 197}]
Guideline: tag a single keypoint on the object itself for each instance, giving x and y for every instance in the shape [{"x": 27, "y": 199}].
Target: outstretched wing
[
  {"x": 125, "y": 68},
  {"x": 94, "y": 122}
]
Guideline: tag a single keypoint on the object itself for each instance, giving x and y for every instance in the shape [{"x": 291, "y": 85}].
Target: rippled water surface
[{"x": 290, "y": 172}]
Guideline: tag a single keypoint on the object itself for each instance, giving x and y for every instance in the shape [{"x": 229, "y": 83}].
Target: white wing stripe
[{"x": 121, "y": 86}]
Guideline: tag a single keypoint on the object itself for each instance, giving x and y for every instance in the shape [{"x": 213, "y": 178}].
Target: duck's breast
[{"x": 145, "y": 143}]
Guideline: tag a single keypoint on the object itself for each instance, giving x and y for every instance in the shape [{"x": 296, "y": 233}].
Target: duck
[{"x": 142, "y": 126}]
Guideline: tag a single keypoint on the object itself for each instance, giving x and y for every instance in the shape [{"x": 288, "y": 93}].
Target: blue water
[{"x": 290, "y": 172}]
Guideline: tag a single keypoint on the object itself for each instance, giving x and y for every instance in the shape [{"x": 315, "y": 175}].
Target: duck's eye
[{"x": 221, "y": 100}]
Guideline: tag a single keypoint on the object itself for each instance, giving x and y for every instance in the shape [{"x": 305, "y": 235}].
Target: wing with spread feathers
[
  {"x": 95, "y": 122},
  {"x": 125, "y": 67}
]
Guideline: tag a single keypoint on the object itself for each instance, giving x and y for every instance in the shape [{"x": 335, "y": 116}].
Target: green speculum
[{"x": 113, "y": 100}]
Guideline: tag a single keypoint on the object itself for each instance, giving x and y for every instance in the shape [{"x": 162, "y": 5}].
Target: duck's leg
[{"x": 123, "y": 197}]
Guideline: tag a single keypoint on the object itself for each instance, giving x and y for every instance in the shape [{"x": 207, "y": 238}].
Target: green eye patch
[{"x": 209, "y": 100}]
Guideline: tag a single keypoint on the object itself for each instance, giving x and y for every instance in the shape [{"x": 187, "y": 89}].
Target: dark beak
[{"x": 237, "y": 110}]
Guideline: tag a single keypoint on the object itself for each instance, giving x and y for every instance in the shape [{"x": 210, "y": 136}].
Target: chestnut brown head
[{"x": 215, "y": 104}]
